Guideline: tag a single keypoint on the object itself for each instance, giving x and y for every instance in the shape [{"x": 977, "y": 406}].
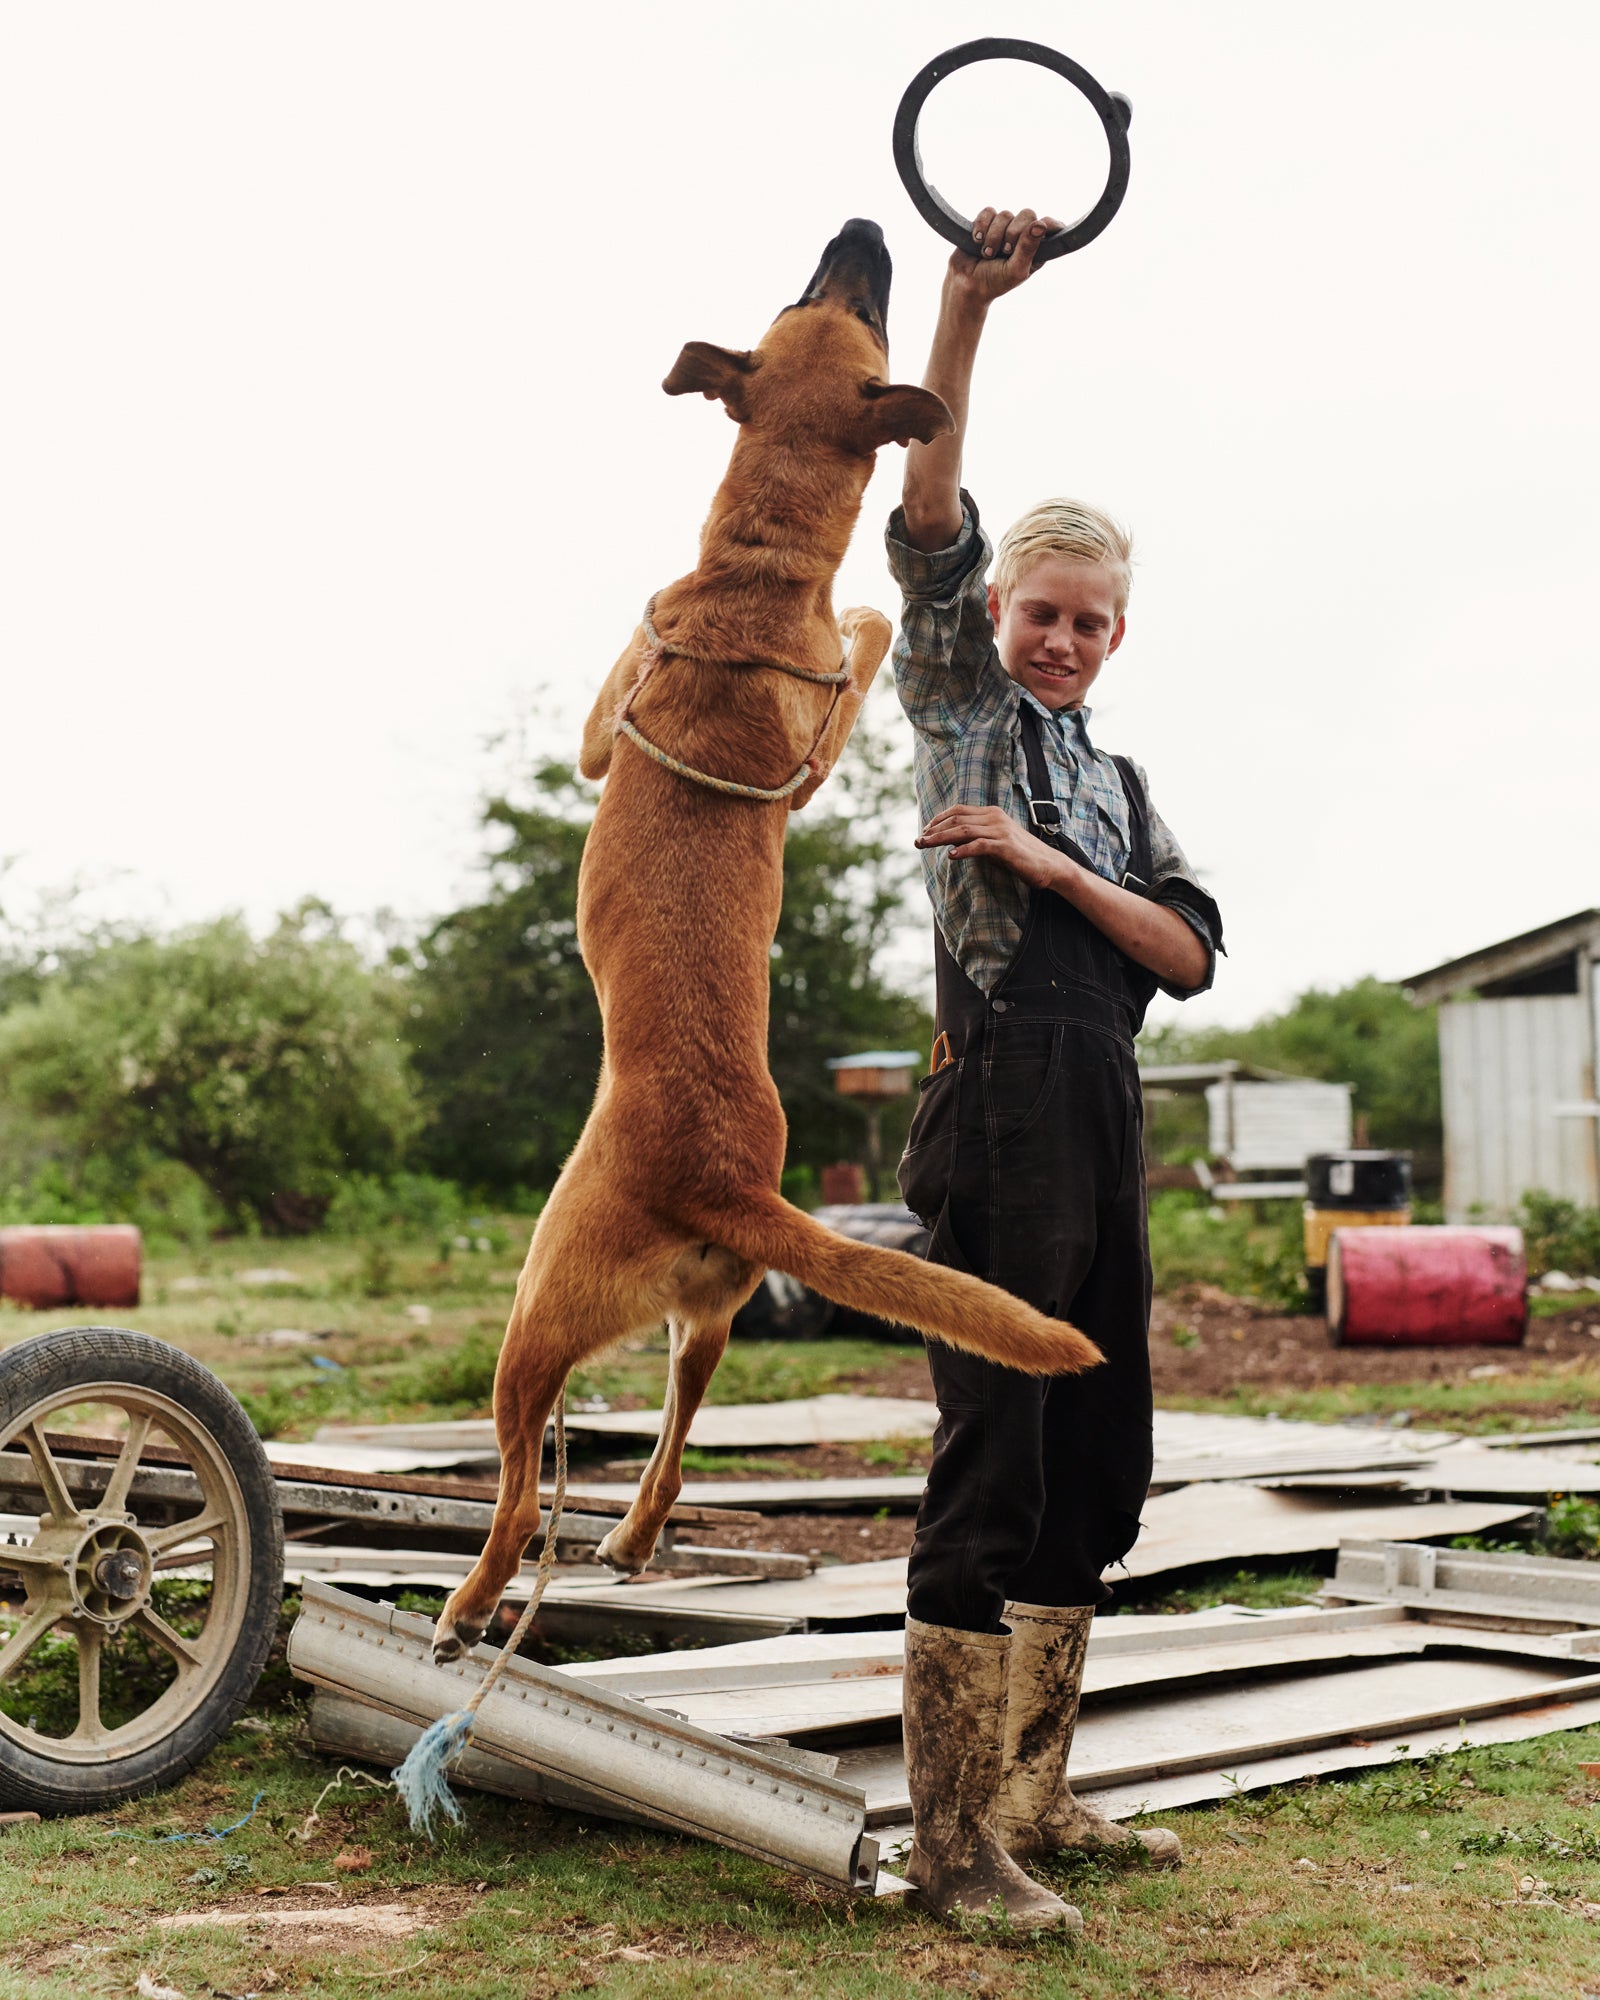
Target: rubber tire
[{"x": 59, "y": 1362}]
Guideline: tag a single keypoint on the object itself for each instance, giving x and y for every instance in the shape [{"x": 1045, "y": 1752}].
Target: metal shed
[{"x": 1519, "y": 1032}]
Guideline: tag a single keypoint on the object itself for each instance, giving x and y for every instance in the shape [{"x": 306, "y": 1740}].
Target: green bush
[
  {"x": 1560, "y": 1236},
  {"x": 269, "y": 1069},
  {"x": 415, "y": 1206},
  {"x": 1252, "y": 1249},
  {"x": 464, "y": 1374},
  {"x": 165, "y": 1199}
]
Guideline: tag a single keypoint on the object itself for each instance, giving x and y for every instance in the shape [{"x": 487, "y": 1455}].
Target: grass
[
  {"x": 1538, "y": 1398},
  {"x": 1405, "y": 1884},
  {"x": 1266, "y": 1589}
]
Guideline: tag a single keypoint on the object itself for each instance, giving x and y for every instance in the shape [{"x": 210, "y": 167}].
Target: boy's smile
[{"x": 1057, "y": 627}]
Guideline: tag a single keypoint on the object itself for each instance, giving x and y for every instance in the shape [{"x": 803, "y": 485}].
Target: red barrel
[
  {"x": 56, "y": 1264},
  {"x": 1427, "y": 1287}
]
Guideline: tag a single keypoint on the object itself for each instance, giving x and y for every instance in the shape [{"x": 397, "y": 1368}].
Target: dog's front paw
[{"x": 861, "y": 618}]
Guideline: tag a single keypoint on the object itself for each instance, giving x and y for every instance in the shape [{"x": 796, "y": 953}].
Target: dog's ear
[
  {"x": 896, "y": 410},
  {"x": 717, "y": 372}
]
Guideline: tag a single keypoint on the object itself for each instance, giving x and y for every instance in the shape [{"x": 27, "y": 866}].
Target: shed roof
[
  {"x": 1527, "y": 953},
  {"x": 1195, "y": 1076},
  {"x": 878, "y": 1059}
]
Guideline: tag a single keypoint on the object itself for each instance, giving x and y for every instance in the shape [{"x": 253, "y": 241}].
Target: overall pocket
[
  {"x": 929, "y": 1158},
  {"x": 1020, "y": 1066}
]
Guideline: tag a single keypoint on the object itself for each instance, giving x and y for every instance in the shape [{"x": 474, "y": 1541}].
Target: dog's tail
[{"x": 947, "y": 1305}]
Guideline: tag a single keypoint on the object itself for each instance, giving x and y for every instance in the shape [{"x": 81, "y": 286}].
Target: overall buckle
[{"x": 1046, "y": 816}]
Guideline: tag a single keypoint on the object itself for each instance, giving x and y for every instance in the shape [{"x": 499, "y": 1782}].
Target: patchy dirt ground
[
  {"x": 1236, "y": 1342},
  {"x": 835, "y": 1537}
]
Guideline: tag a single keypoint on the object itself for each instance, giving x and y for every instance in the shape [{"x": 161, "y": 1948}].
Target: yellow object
[{"x": 1322, "y": 1222}]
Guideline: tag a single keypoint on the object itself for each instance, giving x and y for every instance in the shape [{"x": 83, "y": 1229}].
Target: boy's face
[{"x": 1056, "y": 628}]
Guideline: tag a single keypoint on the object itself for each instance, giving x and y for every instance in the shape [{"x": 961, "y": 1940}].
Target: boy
[{"x": 1062, "y": 903}]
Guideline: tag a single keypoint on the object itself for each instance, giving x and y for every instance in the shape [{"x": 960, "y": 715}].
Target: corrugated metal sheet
[
  {"x": 1505, "y": 1065},
  {"x": 1258, "y": 1126}
]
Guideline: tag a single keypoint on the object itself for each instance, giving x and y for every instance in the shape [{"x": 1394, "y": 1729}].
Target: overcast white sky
[{"x": 332, "y": 446}]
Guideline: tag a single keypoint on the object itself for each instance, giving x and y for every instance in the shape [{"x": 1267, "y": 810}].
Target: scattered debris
[
  {"x": 313, "y": 1819},
  {"x": 265, "y": 1275},
  {"x": 372, "y": 1920},
  {"x": 153, "y": 1989},
  {"x": 807, "y": 1420}
]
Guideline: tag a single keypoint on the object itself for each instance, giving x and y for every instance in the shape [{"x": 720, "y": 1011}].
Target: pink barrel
[
  {"x": 1427, "y": 1287},
  {"x": 56, "y": 1264}
]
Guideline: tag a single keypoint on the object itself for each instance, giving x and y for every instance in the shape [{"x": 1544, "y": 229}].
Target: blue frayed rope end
[{"x": 421, "y": 1780}]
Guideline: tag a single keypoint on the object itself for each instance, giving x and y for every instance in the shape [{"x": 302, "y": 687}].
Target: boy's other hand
[
  {"x": 1001, "y": 258},
  {"x": 987, "y": 833}
]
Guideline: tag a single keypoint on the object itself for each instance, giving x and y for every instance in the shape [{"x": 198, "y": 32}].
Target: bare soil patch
[
  {"x": 1240, "y": 1343},
  {"x": 851, "y": 1538}
]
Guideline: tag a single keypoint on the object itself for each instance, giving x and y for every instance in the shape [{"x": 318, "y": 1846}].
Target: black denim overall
[{"x": 1026, "y": 1159}]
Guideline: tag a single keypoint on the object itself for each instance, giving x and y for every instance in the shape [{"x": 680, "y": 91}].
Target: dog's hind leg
[
  {"x": 521, "y": 1427},
  {"x": 563, "y": 1314},
  {"x": 697, "y": 1347}
]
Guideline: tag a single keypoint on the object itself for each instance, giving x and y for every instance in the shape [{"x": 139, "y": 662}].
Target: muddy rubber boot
[
  {"x": 955, "y": 1711},
  {"x": 1036, "y": 1811}
]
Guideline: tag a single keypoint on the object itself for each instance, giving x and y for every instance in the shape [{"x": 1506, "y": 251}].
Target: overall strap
[
  {"x": 1141, "y": 862},
  {"x": 1043, "y": 809},
  {"x": 1045, "y": 812}
]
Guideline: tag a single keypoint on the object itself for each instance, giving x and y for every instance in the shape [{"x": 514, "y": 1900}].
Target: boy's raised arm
[{"x": 1003, "y": 250}]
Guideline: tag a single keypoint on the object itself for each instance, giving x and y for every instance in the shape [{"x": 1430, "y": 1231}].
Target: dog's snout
[{"x": 855, "y": 270}]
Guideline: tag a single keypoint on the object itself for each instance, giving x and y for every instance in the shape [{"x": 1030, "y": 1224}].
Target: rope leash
[
  {"x": 659, "y": 645},
  {"x": 625, "y": 727},
  {"x": 164, "y": 1839},
  {"x": 423, "y": 1779},
  {"x": 657, "y": 650}
]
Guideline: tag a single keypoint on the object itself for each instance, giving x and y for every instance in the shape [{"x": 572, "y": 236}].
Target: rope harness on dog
[{"x": 657, "y": 650}]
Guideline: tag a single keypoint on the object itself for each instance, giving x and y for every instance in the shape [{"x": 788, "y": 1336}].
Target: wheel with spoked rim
[{"x": 141, "y": 1567}]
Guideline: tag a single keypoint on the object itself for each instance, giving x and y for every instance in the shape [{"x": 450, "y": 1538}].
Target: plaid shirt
[{"x": 966, "y": 711}]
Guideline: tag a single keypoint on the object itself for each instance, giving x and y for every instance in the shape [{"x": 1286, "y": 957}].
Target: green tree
[
  {"x": 505, "y": 1026},
  {"x": 847, "y": 869},
  {"x": 267, "y": 1067},
  {"x": 504, "y": 1020}
]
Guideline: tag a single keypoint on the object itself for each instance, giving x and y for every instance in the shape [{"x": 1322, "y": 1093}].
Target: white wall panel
[
  {"x": 1506, "y": 1065},
  {"x": 1277, "y": 1125}
]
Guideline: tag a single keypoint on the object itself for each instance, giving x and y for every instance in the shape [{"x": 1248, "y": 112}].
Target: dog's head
[{"x": 818, "y": 372}]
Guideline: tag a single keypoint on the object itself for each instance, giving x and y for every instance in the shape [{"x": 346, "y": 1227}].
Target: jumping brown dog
[{"x": 669, "y": 1206}]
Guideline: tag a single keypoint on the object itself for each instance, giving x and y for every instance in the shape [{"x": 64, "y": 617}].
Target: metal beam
[
  {"x": 558, "y": 1726},
  {"x": 1541, "y": 1593}
]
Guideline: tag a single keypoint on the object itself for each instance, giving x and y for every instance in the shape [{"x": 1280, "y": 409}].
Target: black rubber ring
[{"x": 1114, "y": 111}]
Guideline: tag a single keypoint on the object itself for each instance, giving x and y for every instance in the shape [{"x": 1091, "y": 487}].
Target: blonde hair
[{"x": 1065, "y": 528}]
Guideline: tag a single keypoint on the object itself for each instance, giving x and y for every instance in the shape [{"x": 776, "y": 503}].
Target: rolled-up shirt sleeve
[
  {"x": 944, "y": 653},
  {"x": 1175, "y": 885}
]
